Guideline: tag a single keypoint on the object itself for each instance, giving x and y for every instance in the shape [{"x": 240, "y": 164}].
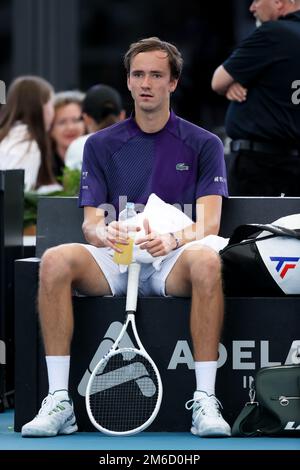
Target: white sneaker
[
  {"x": 207, "y": 420},
  {"x": 56, "y": 416}
]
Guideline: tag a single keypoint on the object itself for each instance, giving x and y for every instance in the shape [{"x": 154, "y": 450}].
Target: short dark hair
[
  {"x": 155, "y": 44},
  {"x": 101, "y": 101}
]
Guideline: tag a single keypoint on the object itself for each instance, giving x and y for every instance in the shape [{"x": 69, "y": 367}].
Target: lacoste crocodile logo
[{"x": 182, "y": 167}]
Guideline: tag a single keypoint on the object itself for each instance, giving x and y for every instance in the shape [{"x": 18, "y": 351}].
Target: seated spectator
[
  {"x": 67, "y": 126},
  {"x": 24, "y": 122},
  {"x": 101, "y": 108}
]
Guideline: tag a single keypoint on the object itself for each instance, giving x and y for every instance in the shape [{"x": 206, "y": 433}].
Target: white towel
[{"x": 165, "y": 218}]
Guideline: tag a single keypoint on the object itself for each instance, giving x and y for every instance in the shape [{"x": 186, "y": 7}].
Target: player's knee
[
  {"x": 55, "y": 266},
  {"x": 205, "y": 268}
]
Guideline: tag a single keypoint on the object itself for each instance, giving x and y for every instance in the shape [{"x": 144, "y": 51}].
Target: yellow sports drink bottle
[{"x": 126, "y": 256}]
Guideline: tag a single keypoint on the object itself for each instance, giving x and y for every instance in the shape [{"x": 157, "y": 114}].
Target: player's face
[
  {"x": 265, "y": 10},
  {"x": 150, "y": 81}
]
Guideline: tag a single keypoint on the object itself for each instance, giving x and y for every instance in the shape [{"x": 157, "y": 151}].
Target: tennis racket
[{"x": 124, "y": 392}]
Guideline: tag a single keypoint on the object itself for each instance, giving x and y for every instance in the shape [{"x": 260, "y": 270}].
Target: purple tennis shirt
[{"x": 180, "y": 163}]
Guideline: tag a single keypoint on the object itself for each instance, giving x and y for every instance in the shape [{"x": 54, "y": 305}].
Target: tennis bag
[
  {"x": 274, "y": 406},
  {"x": 263, "y": 260}
]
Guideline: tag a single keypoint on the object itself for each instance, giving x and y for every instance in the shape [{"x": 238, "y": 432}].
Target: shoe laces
[
  {"x": 208, "y": 405},
  {"x": 50, "y": 405}
]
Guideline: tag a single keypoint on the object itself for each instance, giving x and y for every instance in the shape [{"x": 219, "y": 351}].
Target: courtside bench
[
  {"x": 257, "y": 331},
  {"x": 11, "y": 248}
]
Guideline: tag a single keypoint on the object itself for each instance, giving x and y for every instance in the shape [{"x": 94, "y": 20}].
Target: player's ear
[
  {"x": 173, "y": 84},
  {"x": 128, "y": 82}
]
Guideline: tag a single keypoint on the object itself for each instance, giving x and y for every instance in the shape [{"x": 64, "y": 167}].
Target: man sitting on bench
[{"x": 154, "y": 151}]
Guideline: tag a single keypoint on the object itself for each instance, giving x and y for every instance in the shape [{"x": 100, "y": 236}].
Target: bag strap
[
  {"x": 246, "y": 413},
  {"x": 242, "y": 232}
]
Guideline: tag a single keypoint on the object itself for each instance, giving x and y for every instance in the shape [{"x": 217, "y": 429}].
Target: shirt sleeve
[
  {"x": 252, "y": 56},
  {"x": 93, "y": 187},
  {"x": 212, "y": 178}
]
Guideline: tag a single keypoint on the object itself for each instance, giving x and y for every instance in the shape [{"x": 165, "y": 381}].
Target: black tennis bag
[{"x": 263, "y": 260}]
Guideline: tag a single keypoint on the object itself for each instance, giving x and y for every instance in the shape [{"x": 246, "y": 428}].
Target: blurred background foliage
[{"x": 70, "y": 182}]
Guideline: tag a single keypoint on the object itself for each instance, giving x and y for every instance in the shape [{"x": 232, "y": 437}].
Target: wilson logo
[{"x": 284, "y": 264}]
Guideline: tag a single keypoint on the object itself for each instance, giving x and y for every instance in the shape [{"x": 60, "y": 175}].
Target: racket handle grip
[{"x": 132, "y": 286}]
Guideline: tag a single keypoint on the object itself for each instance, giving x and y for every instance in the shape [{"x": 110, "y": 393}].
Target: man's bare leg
[
  {"x": 63, "y": 268},
  {"x": 197, "y": 272}
]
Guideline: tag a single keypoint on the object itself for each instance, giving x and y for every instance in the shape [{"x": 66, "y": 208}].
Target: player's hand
[
  {"x": 154, "y": 243},
  {"x": 115, "y": 233}
]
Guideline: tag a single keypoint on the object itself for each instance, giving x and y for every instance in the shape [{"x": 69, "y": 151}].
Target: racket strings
[{"x": 124, "y": 392}]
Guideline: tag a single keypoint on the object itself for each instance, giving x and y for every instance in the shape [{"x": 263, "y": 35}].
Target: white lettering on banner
[
  {"x": 264, "y": 355},
  {"x": 222, "y": 355},
  {"x": 293, "y": 356},
  {"x": 109, "y": 338},
  {"x": 238, "y": 355},
  {"x": 2, "y": 352},
  {"x": 292, "y": 426},
  {"x": 2, "y": 92},
  {"x": 296, "y": 94},
  {"x": 247, "y": 381},
  {"x": 181, "y": 355}
]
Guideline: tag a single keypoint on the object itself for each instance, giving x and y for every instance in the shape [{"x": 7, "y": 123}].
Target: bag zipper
[
  {"x": 250, "y": 241},
  {"x": 285, "y": 401}
]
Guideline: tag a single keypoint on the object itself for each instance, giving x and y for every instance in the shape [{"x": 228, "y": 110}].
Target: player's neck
[{"x": 151, "y": 122}]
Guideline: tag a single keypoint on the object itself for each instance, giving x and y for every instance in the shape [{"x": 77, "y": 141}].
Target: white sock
[
  {"x": 58, "y": 372},
  {"x": 206, "y": 376}
]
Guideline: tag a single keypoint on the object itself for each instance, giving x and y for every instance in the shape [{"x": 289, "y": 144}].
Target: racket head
[{"x": 124, "y": 392}]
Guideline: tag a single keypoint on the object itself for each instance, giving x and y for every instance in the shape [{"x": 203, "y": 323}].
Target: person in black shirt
[{"x": 260, "y": 79}]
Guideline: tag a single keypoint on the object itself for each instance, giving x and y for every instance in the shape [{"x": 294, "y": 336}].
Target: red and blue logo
[{"x": 284, "y": 264}]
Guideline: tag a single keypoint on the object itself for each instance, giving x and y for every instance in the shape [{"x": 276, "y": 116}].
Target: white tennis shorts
[{"x": 152, "y": 281}]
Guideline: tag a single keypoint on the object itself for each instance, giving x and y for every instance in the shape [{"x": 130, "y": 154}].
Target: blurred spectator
[
  {"x": 67, "y": 126},
  {"x": 263, "y": 119},
  {"x": 24, "y": 122},
  {"x": 101, "y": 108}
]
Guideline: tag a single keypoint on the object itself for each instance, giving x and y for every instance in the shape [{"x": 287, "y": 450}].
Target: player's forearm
[
  {"x": 92, "y": 233},
  {"x": 196, "y": 231}
]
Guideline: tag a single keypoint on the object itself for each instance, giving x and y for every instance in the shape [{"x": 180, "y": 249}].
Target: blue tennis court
[{"x": 10, "y": 440}]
